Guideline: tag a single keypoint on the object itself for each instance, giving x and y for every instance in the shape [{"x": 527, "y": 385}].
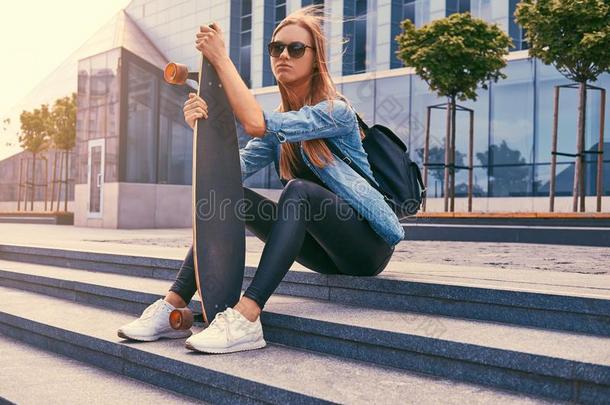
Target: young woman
[{"x": 328, "y": 218}]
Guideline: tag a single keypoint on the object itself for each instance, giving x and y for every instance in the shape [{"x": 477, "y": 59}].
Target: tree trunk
[
  {"x": 447, "y": 160},
  {"x": 578, "y": 188},
  {"x": 33, "y": 182},
  {"x": 452, "y": 153},
  {"x": 54, "y": 180},
  {"x": 66, "y": 189}
]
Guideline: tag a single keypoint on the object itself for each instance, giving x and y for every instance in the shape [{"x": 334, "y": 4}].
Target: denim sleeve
[
  {"x": 257, "y": 153},
  {"x": 310, "y": 122}
]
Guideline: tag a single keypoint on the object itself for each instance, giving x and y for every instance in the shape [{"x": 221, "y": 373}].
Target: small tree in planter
[
  {"x": 573, "y": 36},
  {"x": 34, "y": 137},
  {"x": 454, "y": 55}
]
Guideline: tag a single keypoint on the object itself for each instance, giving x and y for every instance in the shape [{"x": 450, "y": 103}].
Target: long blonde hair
[{"x": 322, "y": 88}]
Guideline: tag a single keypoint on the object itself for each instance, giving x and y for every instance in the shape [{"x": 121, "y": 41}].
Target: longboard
[{"x": 218, "y": 230}]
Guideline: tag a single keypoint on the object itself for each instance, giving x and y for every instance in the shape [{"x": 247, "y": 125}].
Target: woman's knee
[{"x": 296, "y": 188}]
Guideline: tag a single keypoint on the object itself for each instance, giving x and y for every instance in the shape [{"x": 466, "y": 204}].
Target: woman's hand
[
  {"x": 210, "y": 41},
  {"x": 194, "y": 108}
]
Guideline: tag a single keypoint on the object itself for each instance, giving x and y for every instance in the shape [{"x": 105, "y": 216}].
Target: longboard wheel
[
  {"x": 181, "y": 318},
  {"x": 175, "y": 73}
]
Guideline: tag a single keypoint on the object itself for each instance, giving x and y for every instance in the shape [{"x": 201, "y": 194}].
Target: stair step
[
  {"x": 555, "y": 364},
  {"x": 275, "y": 374},
  {"x": 30, "y": 374},
  {"x": 569, "y": 302}
]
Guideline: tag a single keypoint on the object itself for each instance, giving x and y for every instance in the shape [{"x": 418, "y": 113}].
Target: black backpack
[{"x": 399, "y": 178}]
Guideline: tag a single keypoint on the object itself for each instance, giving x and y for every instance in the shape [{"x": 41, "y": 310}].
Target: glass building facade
[
  {"x": 512, "y": 126},
  {"x": 130, "y": 123}
]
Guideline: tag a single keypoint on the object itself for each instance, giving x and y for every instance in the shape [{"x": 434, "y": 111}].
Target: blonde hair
[{"x": 322, "y": 88}]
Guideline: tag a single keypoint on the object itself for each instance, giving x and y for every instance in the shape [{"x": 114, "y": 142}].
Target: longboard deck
[{"x": 218, "y": 231}]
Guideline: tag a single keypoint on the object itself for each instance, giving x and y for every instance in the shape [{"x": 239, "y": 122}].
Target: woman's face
[{"x": 293, "y": 70}]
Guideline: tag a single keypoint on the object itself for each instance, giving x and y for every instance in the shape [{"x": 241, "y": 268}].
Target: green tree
[
  {"x": 63, "y": 136},
  {"x": 34, "y": 137},
  {"x": 454, "y": 55},
  {"x": 574, "y": 37}
]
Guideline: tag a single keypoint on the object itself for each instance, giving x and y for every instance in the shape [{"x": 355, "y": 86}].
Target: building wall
[{"x": 147, "y": 161}]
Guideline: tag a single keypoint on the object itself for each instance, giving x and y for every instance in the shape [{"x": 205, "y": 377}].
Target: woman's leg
[
  {"x": 324, "y": 231},
  {"x": 185, "y": 285},
  {"x": 340, "y": 240},
  {"x": 260, "y": 213}
]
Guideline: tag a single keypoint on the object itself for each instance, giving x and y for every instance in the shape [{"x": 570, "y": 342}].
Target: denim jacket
[{"x": 341, "y": 128}]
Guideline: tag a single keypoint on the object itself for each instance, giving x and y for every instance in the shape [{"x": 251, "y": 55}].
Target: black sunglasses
[{"x": 295, "y": 49}]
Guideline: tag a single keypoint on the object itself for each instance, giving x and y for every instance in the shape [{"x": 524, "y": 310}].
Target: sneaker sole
[
  {"x": 170, "y": 335},
  {"x": 239, "y": 348}
]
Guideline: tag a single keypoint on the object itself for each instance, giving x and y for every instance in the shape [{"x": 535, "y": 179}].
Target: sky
[{"x": 37, "y": 36}]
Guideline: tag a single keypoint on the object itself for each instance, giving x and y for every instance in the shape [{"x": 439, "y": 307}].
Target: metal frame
[
  {"x": 91, "y": 144},
  {"x": 449, "y": 164},
  {"x": 65, "y": 181},
  {"x": 578, "y": 186}
]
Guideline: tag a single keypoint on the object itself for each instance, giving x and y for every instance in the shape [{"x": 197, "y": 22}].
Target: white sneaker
[
  {"x": 229, "y": 332},
  {"x": 153, "y": 324}
]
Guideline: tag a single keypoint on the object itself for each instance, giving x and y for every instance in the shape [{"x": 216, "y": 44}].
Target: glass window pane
[
  {"x": 512, "y": 122},
  {"x": 392, "y": 105},
  {"x": 246, "y": 38},
  {"x": 361, "y": 95},
  {"x": 510, "y": 180},
  {"x": 175, "y": 137},
  {"x": 246, "y": 23},
  {"x": 246, "y": 7},
  {"x": 244, "y": 58},
  {"x": 141, "y": 140}
]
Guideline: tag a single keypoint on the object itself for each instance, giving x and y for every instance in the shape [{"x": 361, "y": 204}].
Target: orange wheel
[
  {"x": 175, "y": 73},
  {"x": 181, "y": 318}
]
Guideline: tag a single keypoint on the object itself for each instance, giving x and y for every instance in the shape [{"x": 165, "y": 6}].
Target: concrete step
[
  {"x": 557, "y": 365},
  {"x": 274, "y": 374},
  {"x": 551, "y": 300},
  {"x": 40, "y": 217},
  {"x": 550, "y": 235},
  {"x": 31, "y": 375}
]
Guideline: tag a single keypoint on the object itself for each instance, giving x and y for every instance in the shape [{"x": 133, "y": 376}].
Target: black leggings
[{"x": 309, "y": 224}]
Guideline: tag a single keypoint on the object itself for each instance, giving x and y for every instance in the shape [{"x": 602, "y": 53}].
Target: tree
[
  {"x": 34, "y": 137},
  {"x": 454, "y": 55},
  {"x": 63, "y": 136},
  {"x": 574, "y": 37}
]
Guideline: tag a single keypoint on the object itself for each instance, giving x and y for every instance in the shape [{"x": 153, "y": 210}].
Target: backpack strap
[{"x": 357, "y": 169}]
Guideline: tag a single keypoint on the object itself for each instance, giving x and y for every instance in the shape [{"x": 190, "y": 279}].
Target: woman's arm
[
  {"x": 245, "y": 107},
  {"x": 244, "y": 104}
]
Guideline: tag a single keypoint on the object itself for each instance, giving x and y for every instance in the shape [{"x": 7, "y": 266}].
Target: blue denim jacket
[{"x": 341, "y": 128}]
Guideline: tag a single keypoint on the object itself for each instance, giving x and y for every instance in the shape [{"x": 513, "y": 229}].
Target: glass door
[{"x": 95, "y": 178}]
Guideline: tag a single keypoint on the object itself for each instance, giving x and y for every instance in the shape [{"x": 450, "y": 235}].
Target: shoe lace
[{"x": 221, "y": 321}]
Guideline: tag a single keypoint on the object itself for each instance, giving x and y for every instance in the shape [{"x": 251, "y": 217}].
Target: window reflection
[
  {"x": 362, "y": 96},
  {"x": 392, "y": 106},
  {"x": 175, "y": 137},
  {"x": 97, "y": 113},
  {"x": 354, "y": 30},
  {"x": 512, "y": 122},
  {"x": 141, "y": 129}
]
